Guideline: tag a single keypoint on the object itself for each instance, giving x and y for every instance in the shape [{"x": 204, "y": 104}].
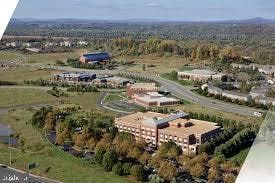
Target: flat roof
[
  {"x": 200, "y": 72},
  {"x": 199, "y": 127},
  {"x": 115, "y": 78},
  {"x": 154, "y": 94},
  {"x": 144, "y": 85},
  {"x": 139, "y": 117},
  {"x": 148, "y": 98},
  {"x": 153, "y": 119},
  {"x": 74, "y": 74}
]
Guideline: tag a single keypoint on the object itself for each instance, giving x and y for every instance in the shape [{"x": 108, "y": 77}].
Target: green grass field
[
  {"x": 21, "y": 73},
  {"x": 61, "y": 166},
  {"x": 12, "y": 97},
  {"x": 161, "y": 65},
  {"x": 114, "y": 97},
  {"x": 8, "y": 56},
  {"x": 50, "y": 58},
  {"x": 84, "y": 100}
]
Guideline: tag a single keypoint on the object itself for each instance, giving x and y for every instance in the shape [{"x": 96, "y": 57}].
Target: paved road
[
  {"x": 8, "y": 175},
  {"x": 184, "y": 92},
  {"x": 176, "y": 89}
]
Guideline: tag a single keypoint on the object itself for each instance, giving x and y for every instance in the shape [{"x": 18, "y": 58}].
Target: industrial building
[
  {"x": 156, "y": 128},
  {"x": 74, "y": 77},
  {"x": 112, "y": 81}
]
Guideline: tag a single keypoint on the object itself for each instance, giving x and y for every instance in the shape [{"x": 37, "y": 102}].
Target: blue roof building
[{"x": 95, "y": 57}]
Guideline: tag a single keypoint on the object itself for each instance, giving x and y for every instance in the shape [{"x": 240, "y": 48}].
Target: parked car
[{"x": 258, "y": 114}]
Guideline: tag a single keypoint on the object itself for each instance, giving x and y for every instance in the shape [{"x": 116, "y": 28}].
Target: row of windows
[{"x": 170, "y": 137}]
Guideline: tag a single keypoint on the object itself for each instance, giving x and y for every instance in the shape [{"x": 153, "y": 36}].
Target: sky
[{"x": 178, "y": 10}]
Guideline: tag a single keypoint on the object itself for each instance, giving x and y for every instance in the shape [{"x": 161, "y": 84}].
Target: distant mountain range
[{"x": 257, "y": 20}]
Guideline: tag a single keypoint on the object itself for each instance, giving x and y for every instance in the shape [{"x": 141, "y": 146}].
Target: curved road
[
  {"x": 175, "y": 88},
  {"x": 183, "y": 92}
]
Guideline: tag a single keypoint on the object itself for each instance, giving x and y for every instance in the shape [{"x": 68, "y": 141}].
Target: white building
[
  {"x": 236, "y": 96},
  {"x": 214, "y": 90},
  {"x": 154, "y": 99},
  {"x": 265, "y": 100},
  {"x": 65, "y": 44},
  {"x": 82, "y": 43},
  {"x": 200, "y": 75}
]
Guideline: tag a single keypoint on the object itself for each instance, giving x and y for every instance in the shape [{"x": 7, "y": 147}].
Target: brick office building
[
  {"x": 154, "y": 99},
  {"x": 140, "y": 88},
  {"x": 156, "y": 128}
]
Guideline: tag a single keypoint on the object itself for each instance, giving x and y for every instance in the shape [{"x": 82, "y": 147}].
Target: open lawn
[
  {"x": 84, "y": 100},
  {"x": 160, "y": 65},
  {"x": 53, "y": 162},
  {"x": 9, "y": 56},
  {"x": 115, "y": 97},
  {"x": 51, "y": 58},
  {"x": 11, "y": 97},
  {"x": 21, "y": 73}
]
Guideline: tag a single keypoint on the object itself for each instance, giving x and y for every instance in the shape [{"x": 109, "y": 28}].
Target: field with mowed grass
[
  {"x": 21, "y": 73},
  {"x": 49, "y": 58},
  {"x": 52, "y": 162},
  {"x": 12, "y": 97},
  {"x": 8, "y": 56},
  {"x": 159, "y": 65}
]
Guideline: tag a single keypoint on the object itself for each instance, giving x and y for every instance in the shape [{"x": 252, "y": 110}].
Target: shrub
[
  {"x": 99, "y": 156},
  {"x": 109, "y": 160},
  {"x": 118, "y": 169},
  {"x": 126, "y": 168},
  {"x": 137, "y": 172}
]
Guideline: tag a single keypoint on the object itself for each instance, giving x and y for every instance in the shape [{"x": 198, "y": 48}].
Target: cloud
[{"x": 152, "y": 4}]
